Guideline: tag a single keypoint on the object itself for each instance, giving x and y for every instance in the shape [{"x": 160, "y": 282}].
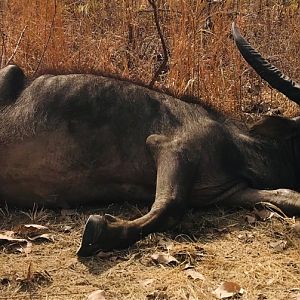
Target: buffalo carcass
[{"x": 76, "y": 139}]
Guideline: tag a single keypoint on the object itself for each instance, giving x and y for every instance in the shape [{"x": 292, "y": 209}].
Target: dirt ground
[{"x": 220, "y": 245}]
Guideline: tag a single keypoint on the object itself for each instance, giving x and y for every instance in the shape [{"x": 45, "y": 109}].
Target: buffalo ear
[{"x": 275, "y": 127}]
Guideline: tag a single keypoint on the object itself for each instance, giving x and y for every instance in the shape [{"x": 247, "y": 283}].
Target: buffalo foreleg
[
  {"x": 287, "y": 200},
  {"x": 174, "y": 178}
]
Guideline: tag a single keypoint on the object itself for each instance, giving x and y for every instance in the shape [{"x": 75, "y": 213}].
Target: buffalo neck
[{"x": 270, "y": 163}]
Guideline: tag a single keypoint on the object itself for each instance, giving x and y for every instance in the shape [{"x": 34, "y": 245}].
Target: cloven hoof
[{"x": 103, "y": 233}]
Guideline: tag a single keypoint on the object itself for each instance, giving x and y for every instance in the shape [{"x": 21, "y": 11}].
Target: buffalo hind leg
[
  {"x": 174, "y": 177},
  {"x": 287, "y": 200}
]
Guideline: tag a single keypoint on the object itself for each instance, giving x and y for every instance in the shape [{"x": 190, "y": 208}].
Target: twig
[
  {"x": 17, "y": 46},
  {"x": 163, "y": 65},
  {"x": 48, "y": 40},
  {"x": 159, "y": 10},
  {"x": 2, "y": 48}
]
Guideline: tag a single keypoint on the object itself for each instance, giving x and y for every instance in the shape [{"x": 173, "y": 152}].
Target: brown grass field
[{"x": 119, "y": 37}]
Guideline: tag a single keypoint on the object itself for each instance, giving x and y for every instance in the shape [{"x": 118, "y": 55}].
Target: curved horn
[{"x": 265, "y": 70}]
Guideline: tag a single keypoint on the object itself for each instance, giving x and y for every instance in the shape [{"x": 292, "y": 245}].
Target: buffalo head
[{"x": 275, "y": 127}]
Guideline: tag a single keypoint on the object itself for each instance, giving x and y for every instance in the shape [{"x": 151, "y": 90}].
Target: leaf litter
[
  {"x": 97, "y": 295},
  {"x": 164, "y": 259},
  {"x": 193, "y": 274},
  {"x": 182, "y": 252},
  {"x": 20, "y": 239},
  {"x": 228, "y": 289},
  {"x": 265, "y": 211},
  {"x": 12, "y": 244},
  {"x": 29, "y": 281}
]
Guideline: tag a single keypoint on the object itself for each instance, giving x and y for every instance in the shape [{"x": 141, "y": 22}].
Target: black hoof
[{"x": 93, "y": 228}]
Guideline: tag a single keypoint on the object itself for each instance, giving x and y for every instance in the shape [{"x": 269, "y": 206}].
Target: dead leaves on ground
[
  {"x": 29, "y": 281},
  {"x": 30, "y": 230},
  {"x": 97, "y": 295},
  {"x": 174, "y": 255},
  {"x": 21, "y": 238},
  {"x": 33, "y": 279},
  {"x": 265, "y": 211},
  {"x": 228, "y": 289},
  {"x": 164, "y": 259},
  {"x": 183, "y": 252},
  {"x": 13, "y": 244},
  {"x": 35, "y": 232},
  {"x": 193, "y": 274}
]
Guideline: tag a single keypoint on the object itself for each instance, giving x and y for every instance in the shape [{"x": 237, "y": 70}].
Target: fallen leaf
[
  {"x": 36, "y": 227},
  {"x": 266, "y": 211},
  {"x": 185, "y": 252},
  {"x": 97, "y": 295},
  {"x": 42, "y": 238},
  {"x": 33, "y": 278},
  {"x": 147, "y": 282},
  {"x": 164, "y": 259},
  {"x": 13, "y": 244},
  {"x": 191, "y": 273},
  {"x": 37, "y": 279},
  {"x": 279, "y": 246},
  {"x": 188, "y": 266},
  {"x": 26, "y": 250},
  {"x": 228, "y": 289},
  {"x": 31, "y": 230}
]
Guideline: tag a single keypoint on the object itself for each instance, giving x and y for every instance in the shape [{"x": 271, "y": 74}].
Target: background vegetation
[{"x": 120, "y": 37}]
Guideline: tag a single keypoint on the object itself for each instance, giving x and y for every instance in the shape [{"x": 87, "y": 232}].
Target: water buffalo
[{"x": 76, "y": 139}]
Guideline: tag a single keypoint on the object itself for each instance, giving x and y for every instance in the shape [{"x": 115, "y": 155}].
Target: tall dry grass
[{"x": 119, "y": 37}]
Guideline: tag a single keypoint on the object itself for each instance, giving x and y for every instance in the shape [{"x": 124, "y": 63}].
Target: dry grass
[
  {"x": 219, "y": 243},
  {"x": 119, "y": 37}
]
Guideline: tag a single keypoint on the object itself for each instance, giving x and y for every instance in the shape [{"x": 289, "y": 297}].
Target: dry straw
[{"x": 120, "y": 37}]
